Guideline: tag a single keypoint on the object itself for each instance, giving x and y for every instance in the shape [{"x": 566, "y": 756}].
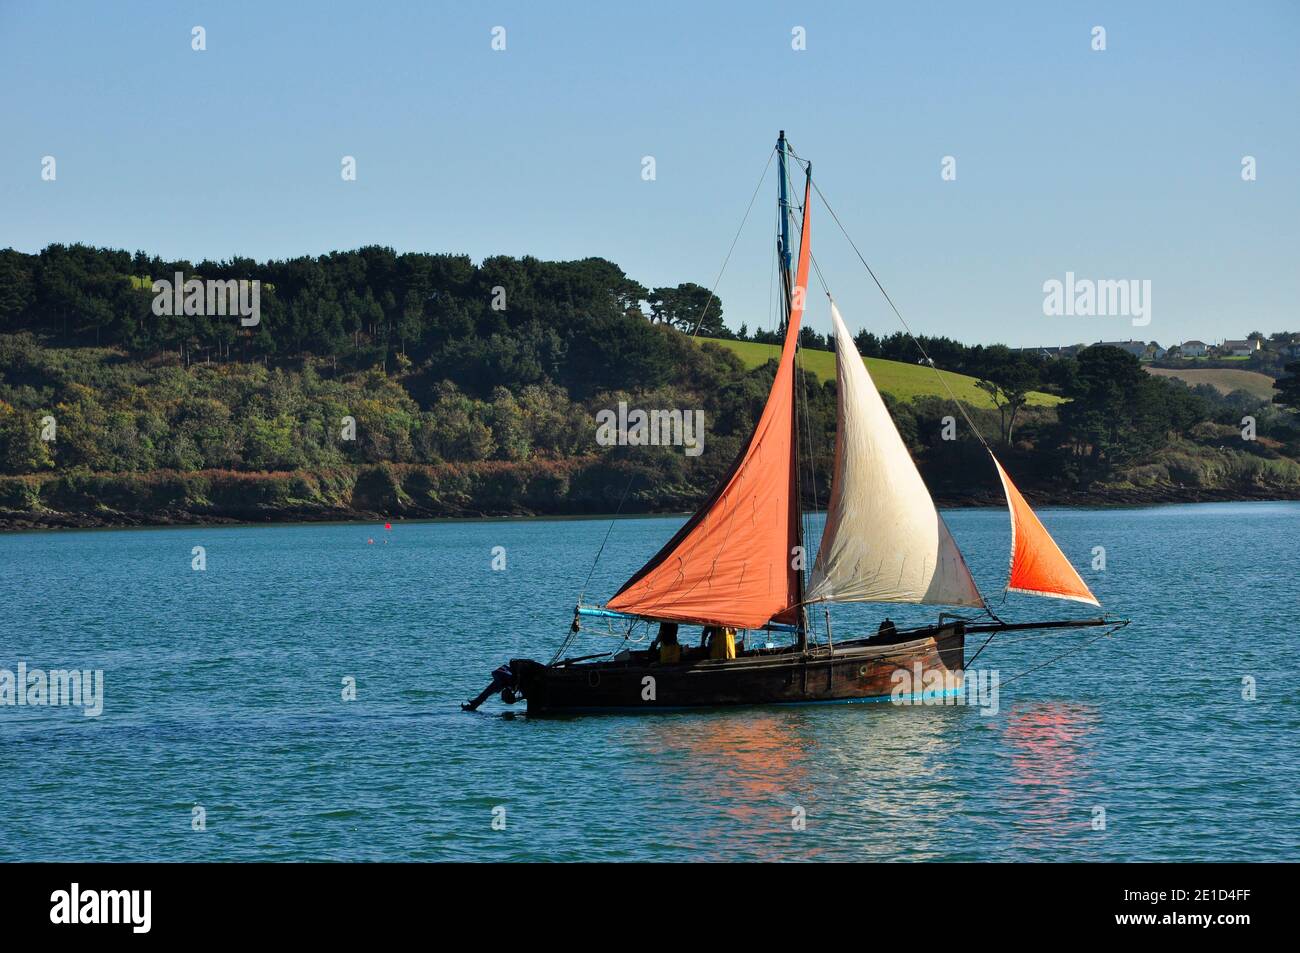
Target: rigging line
[
  {"x": 885, "y": 656},
  {"x": 888, "y": 656},
  {"x": 574, "y": 629},
  {"x": 1054, "y": 633},
  {"x": 924, "y": 354},
  {"x": 773, "y": 323},
  {"x": 1107, "y": 634},
  {"x": 981, "y": 649},
  {"x": 812, "y": 471},
  {"x": 901, "y": 320},
  {"x": 610, "y": 529},
  {"x": 748, "y": 209},
  {"x": 771, "y": 282},
  {"x": 625, "y": 634}
]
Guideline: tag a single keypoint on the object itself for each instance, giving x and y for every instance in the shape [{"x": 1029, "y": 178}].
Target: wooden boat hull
[{"x": 856, "y": 671}]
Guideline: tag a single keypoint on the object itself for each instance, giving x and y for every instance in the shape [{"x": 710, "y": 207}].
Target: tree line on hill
[
  {"x": 500, "y": 367},
  {"x": 583, "y": 324}
]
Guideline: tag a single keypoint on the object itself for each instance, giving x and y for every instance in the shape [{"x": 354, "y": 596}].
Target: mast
[
  {"x": 787, "y": 282},
  {"x": 783, "y": 238}
]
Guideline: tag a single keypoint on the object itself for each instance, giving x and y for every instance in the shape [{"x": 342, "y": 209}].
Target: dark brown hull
[{"x": 856, "y": 671}]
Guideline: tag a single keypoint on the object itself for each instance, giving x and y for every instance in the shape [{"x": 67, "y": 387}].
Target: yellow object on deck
[
  {"x": 723, "y": 645},
  {"x": 670, "y": 653}
]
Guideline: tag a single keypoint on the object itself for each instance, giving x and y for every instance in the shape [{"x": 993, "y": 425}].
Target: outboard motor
[{"x": 503, "y": 681}]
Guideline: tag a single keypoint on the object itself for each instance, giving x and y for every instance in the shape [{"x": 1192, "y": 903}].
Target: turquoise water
[{"x": 222, "y": 689}]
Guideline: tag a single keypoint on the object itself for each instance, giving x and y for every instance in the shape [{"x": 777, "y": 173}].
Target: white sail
[{"x": 884, "y": 540}]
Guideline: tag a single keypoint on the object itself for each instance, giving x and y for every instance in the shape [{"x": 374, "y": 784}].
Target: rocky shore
[{"x": 101, "y": 516}]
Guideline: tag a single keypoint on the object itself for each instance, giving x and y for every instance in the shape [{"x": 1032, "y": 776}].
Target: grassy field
[
  {"x": 1224, "y": 380},
  {"x": 902, "y": 381}
]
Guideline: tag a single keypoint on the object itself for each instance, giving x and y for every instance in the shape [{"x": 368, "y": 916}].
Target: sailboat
[{"x": 737, "y": 566}]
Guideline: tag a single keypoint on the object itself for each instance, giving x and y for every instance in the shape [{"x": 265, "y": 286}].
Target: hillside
[
  {"x": 899, "y": 380},
  {"x": 377, "y": 383},
  {"x": 1224, "y": 380}
]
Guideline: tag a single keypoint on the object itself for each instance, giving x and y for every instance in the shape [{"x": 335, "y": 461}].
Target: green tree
[
  {"x": 16, "y": 290},
  {"x": 509, "y": 430},
  {"x": 411, "y": 324},
  {"x": 1288, "y": 388},
  {"x": 1009, "y": 388},
  {"x": 868, "y": 344},
  {"x": 21, "y": 448},
  {"x": 1117, "y": 412},
  {"x": 686, "y": 306}
]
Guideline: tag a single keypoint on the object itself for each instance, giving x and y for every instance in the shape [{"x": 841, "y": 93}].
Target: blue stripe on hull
[{"x": 641, "y": 709}]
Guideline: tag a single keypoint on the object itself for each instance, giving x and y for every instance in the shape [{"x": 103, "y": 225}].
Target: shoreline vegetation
[
  {"x": 368, "y": 495},
  {"x": 377, "y": 386}
]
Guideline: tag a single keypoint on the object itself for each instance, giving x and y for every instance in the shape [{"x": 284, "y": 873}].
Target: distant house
[
  {"x": 1174, "y": 351},
  {"x": 1045, "y": 352},
  {"x": 1193, "y": 349},
  {"x": 1137, "y": 348},
  {"x": 1239, "y": 348},
  {"x": 1072, "y": 350},
  {"x": 1155, "y": 351}
]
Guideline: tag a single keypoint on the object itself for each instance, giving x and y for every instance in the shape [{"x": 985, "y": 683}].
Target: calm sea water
[{"x": 223, "y": 690}]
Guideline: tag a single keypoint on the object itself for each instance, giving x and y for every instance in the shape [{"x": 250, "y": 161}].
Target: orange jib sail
[
  {"x": 732, "y": 563},
  {"x": 1038, "y": 567}
]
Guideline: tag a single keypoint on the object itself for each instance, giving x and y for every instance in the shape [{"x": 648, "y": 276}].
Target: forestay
[{"x": 884, "y": 540}]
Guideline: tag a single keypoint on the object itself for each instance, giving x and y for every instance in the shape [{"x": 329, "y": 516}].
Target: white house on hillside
[
  {"x": 1192, "y": 349},
  {"x": 1239, "y": 348}
]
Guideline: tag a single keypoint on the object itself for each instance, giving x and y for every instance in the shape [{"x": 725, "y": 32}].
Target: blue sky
[{"x": 1122, "y": 164}]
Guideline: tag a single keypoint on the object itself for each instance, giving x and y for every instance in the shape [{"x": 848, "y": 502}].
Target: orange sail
[
  {"x": 732, "y": 563},
  {"x": 1038, "y": 567}
]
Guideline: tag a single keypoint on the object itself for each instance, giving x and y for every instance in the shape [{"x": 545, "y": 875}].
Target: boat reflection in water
[
  {"x": 876, "y": 787},
  {"x": 746, "y": 770},
  {"x": 1051, "y": 746}
]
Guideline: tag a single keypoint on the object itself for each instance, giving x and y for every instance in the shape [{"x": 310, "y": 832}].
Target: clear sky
[{"x": 1119, "y": 164}]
